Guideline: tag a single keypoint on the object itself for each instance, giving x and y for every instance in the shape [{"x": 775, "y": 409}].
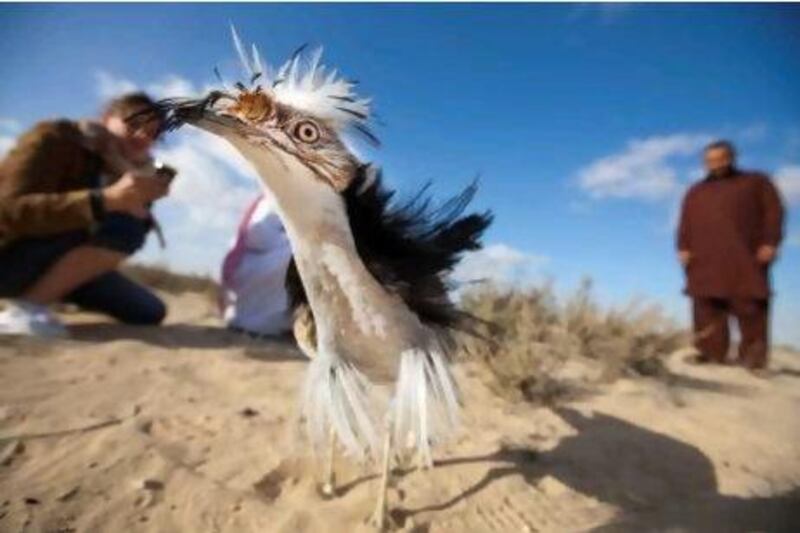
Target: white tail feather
[
  {"x": 337, "y": 395},
  {"x": 426, "y": 406}
]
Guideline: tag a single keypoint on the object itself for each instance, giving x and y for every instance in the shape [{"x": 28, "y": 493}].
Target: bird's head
[{"x": 291, "y": 125}]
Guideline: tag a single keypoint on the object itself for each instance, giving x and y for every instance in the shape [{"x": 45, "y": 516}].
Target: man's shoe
[
  {"x": 29, "y": 319},
  {"x": 758, "y": 369},
  {"x": 761, "y": 372}
]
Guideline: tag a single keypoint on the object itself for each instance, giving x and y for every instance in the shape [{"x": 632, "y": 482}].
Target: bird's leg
[
  {"x": 329, "y": 486},
  {"x": 378, "y": 519},
  {"x": 412, "y": 458},
  {"x": 423, "y": 461},
  {"x": 409, "y": 458}
]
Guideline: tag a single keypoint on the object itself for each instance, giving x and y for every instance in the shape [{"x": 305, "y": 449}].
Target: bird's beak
[
  {"x": 216, "y": 114},
  {"x": 207, "y": 114}
]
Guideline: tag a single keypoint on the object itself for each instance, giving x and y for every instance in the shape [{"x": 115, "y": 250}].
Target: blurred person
[
  {"x": 730, "y": 230},
  {"x": 74, "y": 204},
  {"x": 254, "y": 297}
]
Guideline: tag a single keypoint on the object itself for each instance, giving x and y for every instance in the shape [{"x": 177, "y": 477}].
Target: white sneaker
[{"x": 25, "y": 318}]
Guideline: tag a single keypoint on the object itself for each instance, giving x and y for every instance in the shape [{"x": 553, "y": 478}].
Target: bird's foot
[
  {"x": 411, "y": 461},
  {"x": 328, "y": 490},
  {"x": 377, "y": 521},
  {"x": 382, "y": 521}
]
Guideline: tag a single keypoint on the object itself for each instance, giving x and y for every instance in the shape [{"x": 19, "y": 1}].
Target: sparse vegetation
[
  {"x": 162, "y": 279},
  {"x": 539, "y": 350},
  {"x": 544, "y": 351}
]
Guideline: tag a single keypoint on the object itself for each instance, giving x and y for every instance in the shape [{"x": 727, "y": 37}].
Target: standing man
[
  {"x": 730, "y": 229},
  {"x": 74, "y": 203}
]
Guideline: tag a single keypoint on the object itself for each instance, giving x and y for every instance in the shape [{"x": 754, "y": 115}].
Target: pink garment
[{"x": 234, "y": 257}]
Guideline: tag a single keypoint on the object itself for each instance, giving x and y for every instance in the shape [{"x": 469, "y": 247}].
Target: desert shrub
[{"x": 543, "y": 350}]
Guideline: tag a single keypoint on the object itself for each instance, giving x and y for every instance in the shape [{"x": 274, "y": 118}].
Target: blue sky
[{"x": 584, "y": 121}]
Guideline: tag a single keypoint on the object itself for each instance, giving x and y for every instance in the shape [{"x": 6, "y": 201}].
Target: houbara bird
[{"x": 369, "y": 280}]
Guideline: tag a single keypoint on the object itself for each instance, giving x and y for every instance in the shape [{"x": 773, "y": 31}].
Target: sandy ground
[{"x": 188, "y": 428}]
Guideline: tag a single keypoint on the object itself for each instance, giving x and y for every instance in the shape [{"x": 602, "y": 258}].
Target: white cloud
[
  {"x": 499, "y": 263},
  {"x": 213, "y": 187},
  {"x": 9, "y": 127},
  {"x": 214, "y": 181},
  {"x": 645, "y": 169},
  {"x": 6, "y": 142},
  {"x": 109, "y": 85},
  {"x": 788, "y": 181},
  {"x": 172, "y": 86}
]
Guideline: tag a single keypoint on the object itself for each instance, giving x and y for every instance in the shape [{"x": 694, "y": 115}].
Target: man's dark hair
[
  {"x": 722, "y": 144},
  {"x": 137, "y": 106}
]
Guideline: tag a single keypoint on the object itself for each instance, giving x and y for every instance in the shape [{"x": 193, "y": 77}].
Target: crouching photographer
[{"x": 74, "y": 204}]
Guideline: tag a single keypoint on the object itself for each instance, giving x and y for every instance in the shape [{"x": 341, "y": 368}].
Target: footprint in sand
[
  {"x": 289, "y": 473},
  {"x": 150, "y": 493}
]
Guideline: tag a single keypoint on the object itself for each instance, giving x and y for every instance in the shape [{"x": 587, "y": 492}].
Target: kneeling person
[{"x": 74, "y": 204}]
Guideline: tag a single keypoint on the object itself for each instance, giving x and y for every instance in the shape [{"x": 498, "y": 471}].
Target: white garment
[{"x": 255, "y": 293}]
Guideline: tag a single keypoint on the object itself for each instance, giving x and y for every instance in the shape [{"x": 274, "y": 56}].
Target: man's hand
[
  {"x": 766, "y": 254},
  {"x": 133, "y": 193},
  {"x": 684, "y": 256}
]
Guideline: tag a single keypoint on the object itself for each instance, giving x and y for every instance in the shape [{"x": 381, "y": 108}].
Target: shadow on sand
[
  {"x": 189, "y": 336},
  {"x": 678, "y": 382},
  {"x": 788, "y": 372},
  {"x": 657, "y": 482}
]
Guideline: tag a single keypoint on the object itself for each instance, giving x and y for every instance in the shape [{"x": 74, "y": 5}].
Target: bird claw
[
  {"x": 381, "y": 521},
  {"x": 327, "y": 490},
  {"x": 377, "y": 521}
]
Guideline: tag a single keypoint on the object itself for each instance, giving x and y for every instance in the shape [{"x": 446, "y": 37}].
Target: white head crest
[{"x": 308, "y": 86}]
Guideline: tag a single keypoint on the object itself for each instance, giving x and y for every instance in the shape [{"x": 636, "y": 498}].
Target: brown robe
[{"x": 723, "y": 222}]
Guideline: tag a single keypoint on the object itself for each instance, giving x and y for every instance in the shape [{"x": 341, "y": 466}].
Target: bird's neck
[
  {"x": 354, "y": 314},
  {"x": 338, "y": 285}
]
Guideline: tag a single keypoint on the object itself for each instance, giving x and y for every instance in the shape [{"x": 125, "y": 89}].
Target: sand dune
[{"x": 188, "y": 428}]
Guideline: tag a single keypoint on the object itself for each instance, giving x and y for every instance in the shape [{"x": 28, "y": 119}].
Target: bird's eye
[{"x": 306, "y": 131}]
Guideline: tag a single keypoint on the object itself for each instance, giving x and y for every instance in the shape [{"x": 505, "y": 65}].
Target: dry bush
[
  {"x": 543, "y": 351},
  {"x": 162, "y": 279}
]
